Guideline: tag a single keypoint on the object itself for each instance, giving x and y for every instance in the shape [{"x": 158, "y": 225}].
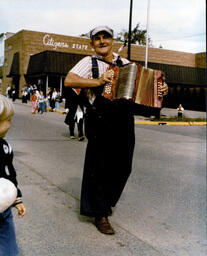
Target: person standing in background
[
  {"x": 41, "y": 103},
  {"x": 58, "y": 100},
  {"x": 8, "y": 92},
  {"x": 24, "y": 96},
  {"x": 13, "y": 93},
  {"x": 75, "y": 114},
  {"x": 180, "y": 110},
  {"x": 34, "y": 102},
  {"x": 31, "y": 89},
  {"x": 53, "y": 95},
  {"x": 48, "y": 98}
]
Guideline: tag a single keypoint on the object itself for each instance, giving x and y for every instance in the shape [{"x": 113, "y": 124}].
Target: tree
[
  {"x": 85, "y": 35},
  {"x": 138, "y": 36},
  {"x": 1, "y": 36}
]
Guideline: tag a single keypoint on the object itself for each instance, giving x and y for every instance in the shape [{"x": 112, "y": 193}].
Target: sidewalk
[
  {"x": 169, "y": 112},
  {"x": 166, "y": 112}
]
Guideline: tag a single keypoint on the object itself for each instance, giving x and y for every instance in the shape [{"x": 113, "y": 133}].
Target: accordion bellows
[{"x": 137, "y": 83}]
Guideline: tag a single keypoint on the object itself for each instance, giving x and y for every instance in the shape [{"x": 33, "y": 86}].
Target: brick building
[{"x": 45, "y": 58}]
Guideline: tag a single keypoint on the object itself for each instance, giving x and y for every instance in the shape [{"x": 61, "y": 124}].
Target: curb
[
  {"x": 169, "y": 123},
  {"x": 157, "y": 122},
  {"x": 58, "y": 111},
  {"x": 151, "y": 122}
]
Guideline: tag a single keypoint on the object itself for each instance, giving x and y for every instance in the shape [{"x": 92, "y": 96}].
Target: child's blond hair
[{"x": 6, "y": 108}]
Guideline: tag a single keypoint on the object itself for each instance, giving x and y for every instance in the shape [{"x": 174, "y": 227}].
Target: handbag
[{"x": 8, "y": 194}]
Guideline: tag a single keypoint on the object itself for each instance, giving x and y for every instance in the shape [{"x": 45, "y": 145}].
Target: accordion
[{"x": 137, "y": 83}]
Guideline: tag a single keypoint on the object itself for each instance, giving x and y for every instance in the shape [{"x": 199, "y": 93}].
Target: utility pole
[
  {"x": 130, "y": 29},
  {"x": 147, "y": 42}
]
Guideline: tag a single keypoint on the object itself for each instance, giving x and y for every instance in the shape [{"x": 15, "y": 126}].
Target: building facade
[{"x": 45, "y": 58}]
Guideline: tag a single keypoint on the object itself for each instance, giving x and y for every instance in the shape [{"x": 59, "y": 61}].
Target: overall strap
[
  {"x": 96, "y": 90},
  {"x": 95, "y": 74},
  {"x": 95, "y": 70},
  {"x": 118, "y": 62}
]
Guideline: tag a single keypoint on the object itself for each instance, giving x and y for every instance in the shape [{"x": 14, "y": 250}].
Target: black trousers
[
  {"x": 108, "y": 159},
  {"x": 70, "y": 120},
  {"x": 72, "y": 127}
]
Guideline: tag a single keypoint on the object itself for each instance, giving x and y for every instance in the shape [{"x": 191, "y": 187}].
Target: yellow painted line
[
  {"x": 55, "y": 110},
  {"x": 145, "y": 122},
  {"x": 59, "y": 111},
  {"x": 169, "y": 123},
  {"x": 198, "y": 123}
]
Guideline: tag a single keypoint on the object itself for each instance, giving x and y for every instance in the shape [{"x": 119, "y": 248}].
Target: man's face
[{"x": 102, "y": 44}]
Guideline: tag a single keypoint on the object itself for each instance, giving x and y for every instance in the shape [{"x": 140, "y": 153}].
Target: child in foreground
[{"x": 10, "y": 194}]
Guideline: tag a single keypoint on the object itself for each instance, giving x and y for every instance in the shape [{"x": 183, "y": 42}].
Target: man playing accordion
[{"x": 109, "y": 128}]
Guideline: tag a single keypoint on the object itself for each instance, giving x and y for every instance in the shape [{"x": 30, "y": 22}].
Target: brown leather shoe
[{"x": 104, "y": 226}]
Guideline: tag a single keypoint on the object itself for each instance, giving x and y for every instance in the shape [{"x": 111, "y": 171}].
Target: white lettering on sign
[
  {"x": 49, "y": 41},
  {"x": 80, "y": 46}
]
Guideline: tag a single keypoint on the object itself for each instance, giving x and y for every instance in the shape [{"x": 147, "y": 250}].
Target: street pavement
[
  {"x": 165, "y": 112},
  {"x": 162, "y": 211}
]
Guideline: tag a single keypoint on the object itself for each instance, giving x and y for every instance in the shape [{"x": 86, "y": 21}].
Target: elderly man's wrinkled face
[
  {"x": 102, "y": 44},
  {"x": 4, "y": 127}
]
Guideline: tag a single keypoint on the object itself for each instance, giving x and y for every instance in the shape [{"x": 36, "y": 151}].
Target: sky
[{"x": 175, "y": 25}]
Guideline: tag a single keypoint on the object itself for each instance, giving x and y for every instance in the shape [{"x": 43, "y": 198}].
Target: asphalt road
[{"x": 162, "y": 211}]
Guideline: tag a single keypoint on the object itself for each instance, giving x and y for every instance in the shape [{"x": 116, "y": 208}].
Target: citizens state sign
[{"x": 49, "y": 41}]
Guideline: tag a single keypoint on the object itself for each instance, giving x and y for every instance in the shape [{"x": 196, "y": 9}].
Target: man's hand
[
  {"x": 107, "y": 77},
  {"x": 21, "y": 210}
]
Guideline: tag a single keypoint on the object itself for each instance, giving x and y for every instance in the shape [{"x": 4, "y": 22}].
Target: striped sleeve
[{"x": 83, "y": 67}]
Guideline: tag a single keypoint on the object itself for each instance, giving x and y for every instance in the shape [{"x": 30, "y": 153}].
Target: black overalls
[{"x": 109, "y": 127}]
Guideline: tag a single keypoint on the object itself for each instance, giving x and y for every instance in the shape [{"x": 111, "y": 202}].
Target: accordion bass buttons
[
  {"x": 108, "y": 86},
  {"x": 107, "y": 89}
]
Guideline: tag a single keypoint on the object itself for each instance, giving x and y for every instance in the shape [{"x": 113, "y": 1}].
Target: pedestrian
[
  {"x": 109, "y": 127},
  {"x": 13, "y": 92},
  {"x": 34, "y": 87},
  {"x": 8, "y": 92},
  {"x": 53, "y": 95},
  {"x": 180, "y": 110},
  {"x": 75, "y": 114},
  {"x": 58, "y": 100},
  {"x": 48, "y": 98},
  {"x": 10, "y": 194},
  {"x": 24, "y": 96},
  {"x": 41, "y": 102},
  {"x": 31, "y": 89},
  {"x": 37, "y": 93},
  {"x": 34, "y": 102}
]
